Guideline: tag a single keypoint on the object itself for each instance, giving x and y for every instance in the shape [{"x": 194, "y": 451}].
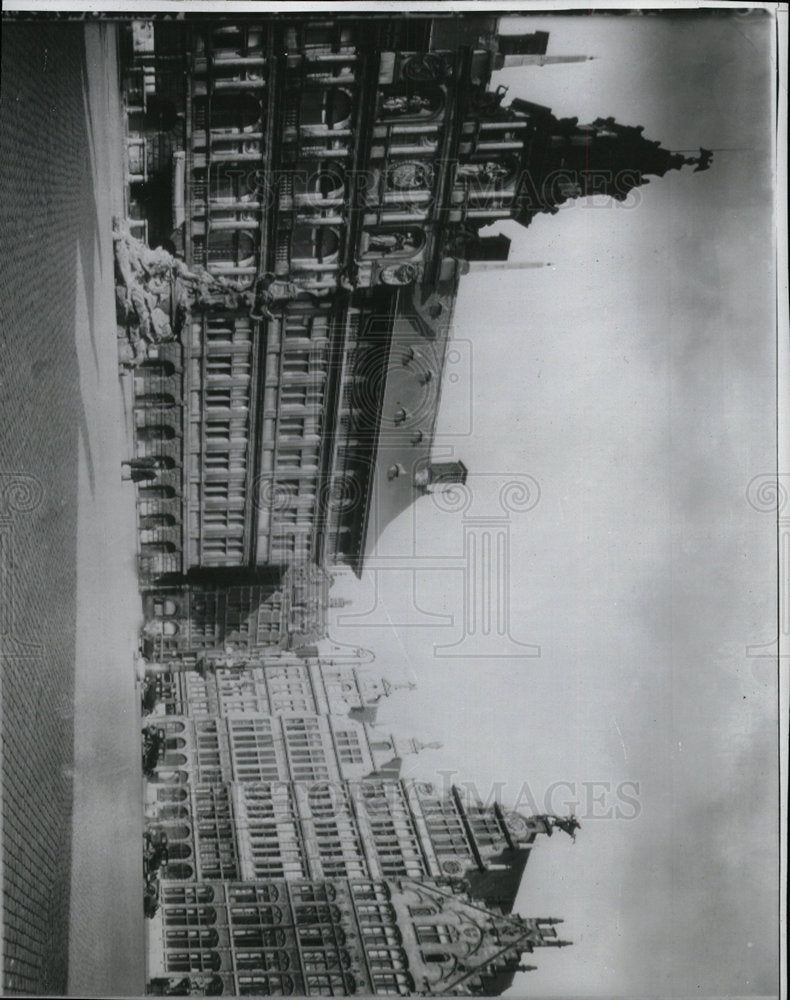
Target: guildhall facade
[
  {"x": 342, "y": 171},
  {"x": 299, "y": 860},
  {"x": 335, "y": 175}
]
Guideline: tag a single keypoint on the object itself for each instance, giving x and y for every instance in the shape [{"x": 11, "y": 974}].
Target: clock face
[{"x": 401, "y": 274}]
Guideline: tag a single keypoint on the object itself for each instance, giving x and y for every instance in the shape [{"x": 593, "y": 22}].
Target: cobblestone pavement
[{"x": 52, "y": 225}]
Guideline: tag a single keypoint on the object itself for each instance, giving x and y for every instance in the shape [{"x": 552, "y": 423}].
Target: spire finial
[{"x": 419, "y": 746}]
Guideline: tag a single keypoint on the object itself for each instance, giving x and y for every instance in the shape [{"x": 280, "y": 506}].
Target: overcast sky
[{"x": 633, "y": 380}]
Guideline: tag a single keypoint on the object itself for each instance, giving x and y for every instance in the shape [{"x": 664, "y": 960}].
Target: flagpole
[{"x": 495, "y": 265}]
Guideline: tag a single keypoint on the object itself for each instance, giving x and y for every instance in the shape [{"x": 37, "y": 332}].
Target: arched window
[
  {"x": 161, "y": 432},
  {"x": 254, "y": 894},
  {"x": 323, "y": 914},
  {"x": 171, "y": 777},
  {"x": 231, "y": 247},
  {"x": 393, "y": 983},
  {"x": 176, "y": 832},
  {"x": 157, "y": 493},
  {"x": 320, "y": 961},
  {"x": 330, "y": 180},
  {"x": 175, "y": 743},
  {"x": 229, "y": 184},
  {"x": 174, "y": 760},
  {"x": 330, "y": 107},
  {"x": 319, "y": 244},
  {"x": 172, "y": 813},
  {"x": 188, "y": 894},
  {"x": 157, "y": 368},
  {"x": 192, "y": 961},
  {"x": 326, "y": 36},
  {"x": 376, "y": 912},
  {"x": 156, "y": 400},
  {"x": 179, "y": 870},
  {"x": 330, "y": 984},
  {"x": 157, "y": 548},
  {"x": 319, "y": 179},
  {"x": 387, "y": 958},
  {"x": 171, "y": 794},
  {"x": 179, "y": 851},
  {"x": 193, "y": 937},
  {"x": 271, "y": 986},
  {"x": 190, "y": 915},
  {"x": 149, "y": 522},
  {"x": 229, "y": 112},
  {"x": 257, "y": 937},
  {"x": 245, "y": 938}
]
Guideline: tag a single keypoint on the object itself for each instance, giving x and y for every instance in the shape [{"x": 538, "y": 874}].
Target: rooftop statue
[
  {"x": 568, "y": 824},
  {"x": 703, "y": 161},
  {"x": 600, "y": 157}
]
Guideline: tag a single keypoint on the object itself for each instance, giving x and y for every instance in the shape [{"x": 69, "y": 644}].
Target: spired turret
[{"x": 568, "y": 160}]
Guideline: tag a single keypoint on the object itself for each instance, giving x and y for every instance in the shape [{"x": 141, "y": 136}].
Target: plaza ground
[{"x": 72, "y": 784}]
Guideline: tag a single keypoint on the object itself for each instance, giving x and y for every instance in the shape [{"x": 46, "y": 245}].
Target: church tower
[{"x": 566, "y": 160}]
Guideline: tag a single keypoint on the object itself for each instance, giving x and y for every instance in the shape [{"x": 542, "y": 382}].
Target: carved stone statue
[
  {"x": 568, "y": 824},
  {"x": 400, "y": 104},
  {"x": 159, "y": 285},
  {"x": 490, "y": 171},
  {"x": 273, "y": 293}
]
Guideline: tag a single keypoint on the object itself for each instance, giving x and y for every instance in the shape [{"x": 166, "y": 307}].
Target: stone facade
[
  {"x": 340, "y": 171},
  {"x": 276, "y": 770}
]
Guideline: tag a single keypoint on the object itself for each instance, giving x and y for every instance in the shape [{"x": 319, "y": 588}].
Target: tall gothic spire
[{"x": 569, "y": 160}]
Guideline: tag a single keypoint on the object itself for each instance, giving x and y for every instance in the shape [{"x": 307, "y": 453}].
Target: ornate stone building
[
  {"x": 323, "y": 185},
  {"x": 218, "y": 614},
  {"x": 337, "y": 938},
  {"x": 338, "y": 175},
  {"x": 272, "y": 781}
]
